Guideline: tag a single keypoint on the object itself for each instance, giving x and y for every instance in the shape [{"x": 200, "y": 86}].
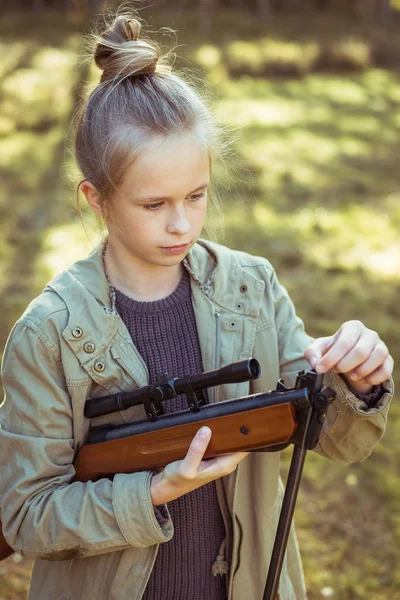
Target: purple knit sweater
[{"x": 165, "y": 334}]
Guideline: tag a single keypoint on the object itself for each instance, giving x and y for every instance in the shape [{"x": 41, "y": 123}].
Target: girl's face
[{"x": 159, "y": 210}]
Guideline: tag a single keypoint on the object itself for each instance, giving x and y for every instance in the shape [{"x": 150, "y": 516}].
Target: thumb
[
  {"x": 317, "y": 349},
  {"x": 198, "y": 446}
]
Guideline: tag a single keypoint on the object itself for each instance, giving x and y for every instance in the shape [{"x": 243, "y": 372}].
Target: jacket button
[
  {"x": 77, "y": 332},
  {"x": 99, "y": 366},
  {"x": 243, "y": 289},
  {"x": 89, "y": 347}
]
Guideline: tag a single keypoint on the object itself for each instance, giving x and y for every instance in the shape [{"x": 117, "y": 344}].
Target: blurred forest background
[{"x": 311, "y": 90}]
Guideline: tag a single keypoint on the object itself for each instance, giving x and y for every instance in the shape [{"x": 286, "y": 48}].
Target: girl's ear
[{"x": 92, "y": 196}]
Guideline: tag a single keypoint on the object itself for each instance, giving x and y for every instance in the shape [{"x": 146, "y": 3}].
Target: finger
[
  {"x": 189, "y": 466},
  {"x": 359, "y": 354},
  {"x": 317, "y": 349},
  {"x": 375, "y": 360},
  {"x": 346, "y": 340},
  {"x": 381, "y": 374},
  {"x": 221, "y": 465}
]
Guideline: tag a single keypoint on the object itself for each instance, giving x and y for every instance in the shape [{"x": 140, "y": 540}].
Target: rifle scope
[{"x": 167, "y": 388}]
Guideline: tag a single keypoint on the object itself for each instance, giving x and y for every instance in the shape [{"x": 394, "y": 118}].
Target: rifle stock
[
  {"x": 243, "y": 431},
  {"x": 261, "y": 421}
]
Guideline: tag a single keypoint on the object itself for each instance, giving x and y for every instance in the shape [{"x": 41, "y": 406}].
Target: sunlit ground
[{"x": 313, "y": 186}]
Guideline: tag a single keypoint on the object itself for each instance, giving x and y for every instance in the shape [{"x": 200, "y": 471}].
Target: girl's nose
[{"x": 178, "y": 223}]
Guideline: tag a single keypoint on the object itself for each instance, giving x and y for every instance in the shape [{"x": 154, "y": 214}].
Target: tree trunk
[
  {"x": 206, "y": 9},
  {"x": 383, "y": 12},
  {"x": 264, "y": 10},
  {"x": 39, "y": 5}
]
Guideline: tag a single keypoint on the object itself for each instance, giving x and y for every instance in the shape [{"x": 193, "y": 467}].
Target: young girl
[{"x": 156, "y": 298}]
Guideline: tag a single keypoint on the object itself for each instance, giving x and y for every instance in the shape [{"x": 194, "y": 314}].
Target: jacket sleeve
[
  {"x": 43, "y": 514},
  {"x": 351, "y": 429}
]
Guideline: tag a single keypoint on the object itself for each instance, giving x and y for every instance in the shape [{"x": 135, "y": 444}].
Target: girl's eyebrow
[{"x": 157, "y": 199}]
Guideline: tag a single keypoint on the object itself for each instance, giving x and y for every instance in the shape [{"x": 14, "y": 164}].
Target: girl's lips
[{"x": 175, "y": 249}]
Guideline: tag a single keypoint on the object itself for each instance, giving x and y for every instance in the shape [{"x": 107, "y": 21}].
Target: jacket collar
[{"x": 215, "y": 269}]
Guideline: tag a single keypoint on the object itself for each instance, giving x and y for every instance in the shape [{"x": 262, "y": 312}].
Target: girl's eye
[
  {"x": 197, "y": 196},
  {"x": 152, "y": 206},
  {"x": 156, "y": 205}
]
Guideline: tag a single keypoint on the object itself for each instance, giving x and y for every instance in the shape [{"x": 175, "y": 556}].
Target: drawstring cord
[{"x": 220, "y": 565}]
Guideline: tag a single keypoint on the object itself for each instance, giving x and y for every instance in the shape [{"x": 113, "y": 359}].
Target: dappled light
[
  {"x": 368, "y": 238},
  {"x": 28, "y": 92},
  {"x": 65, "y": 244},
  {"x": 314, "y": 188},
  {"x": 208, "y": 56}
]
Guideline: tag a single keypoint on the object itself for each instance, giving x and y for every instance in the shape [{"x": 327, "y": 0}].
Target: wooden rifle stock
[
  {"x": 247, "y": 430},
  {"x": 265, "y": 421},
  {"x": 242, "y": 431}
]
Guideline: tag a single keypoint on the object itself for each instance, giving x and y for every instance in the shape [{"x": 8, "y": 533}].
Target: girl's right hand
[{"x": 183, "y": 476}]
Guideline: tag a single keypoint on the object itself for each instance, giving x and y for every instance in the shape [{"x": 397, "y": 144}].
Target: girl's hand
[
  {"x": 355, "y": 351},
  {"x": 183, "y": 476}
]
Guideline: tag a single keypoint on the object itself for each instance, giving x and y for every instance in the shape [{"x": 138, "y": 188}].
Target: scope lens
[{"x": 255, "y": 369}]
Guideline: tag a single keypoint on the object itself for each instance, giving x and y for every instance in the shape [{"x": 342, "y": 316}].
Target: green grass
[{"x": 315, "y": 191}]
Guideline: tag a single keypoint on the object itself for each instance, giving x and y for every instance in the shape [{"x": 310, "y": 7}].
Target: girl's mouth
[{"x": 175, "y": 249}]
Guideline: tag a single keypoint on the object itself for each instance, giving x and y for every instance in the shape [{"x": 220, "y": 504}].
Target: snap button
[
  {"x": 239, "y": 306},
  {"x": 232, "y": 324},
  {"x": 243, "y": 288},
  {"x": 89, "y": 347},
  {"x": 99, "y": 366},
  {"x": 77, "y": 332}
]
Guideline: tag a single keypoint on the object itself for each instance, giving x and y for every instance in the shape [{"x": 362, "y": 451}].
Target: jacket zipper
[
  {"x": 217, "y": 350},
  {"x": 217, "y": 363},
  {"x": 219, "y": 487}
]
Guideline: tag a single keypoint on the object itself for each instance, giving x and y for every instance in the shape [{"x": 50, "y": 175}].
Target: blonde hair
[{"x": 139, "y": 97}]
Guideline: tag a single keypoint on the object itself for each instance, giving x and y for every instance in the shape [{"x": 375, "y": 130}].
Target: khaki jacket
[{"x": 100, "y": 540}]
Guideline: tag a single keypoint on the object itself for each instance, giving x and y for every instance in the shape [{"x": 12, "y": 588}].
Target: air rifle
[{"x": 267, "y": 421}]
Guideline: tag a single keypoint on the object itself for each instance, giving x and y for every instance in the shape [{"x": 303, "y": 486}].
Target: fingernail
[
  {"x": 353, "y": 376},
  {"x": 313, "y": 362},
  {"x": 204, "y": 433}
]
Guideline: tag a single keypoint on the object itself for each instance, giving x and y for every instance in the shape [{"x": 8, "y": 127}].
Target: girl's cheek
[
  {"x": 199, "y": 210},
  {"x": 146, "y": 227}
]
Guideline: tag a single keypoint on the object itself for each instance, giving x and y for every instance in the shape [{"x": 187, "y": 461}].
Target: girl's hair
[{"x": 138, "y": 97}]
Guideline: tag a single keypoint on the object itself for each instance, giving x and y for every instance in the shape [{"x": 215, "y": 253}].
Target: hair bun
[
  {"x": 120, "y": 53},
  {"x": 133, "y": 28}
]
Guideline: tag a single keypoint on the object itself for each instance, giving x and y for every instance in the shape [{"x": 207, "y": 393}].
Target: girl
[{"x": 156, "y": 298}]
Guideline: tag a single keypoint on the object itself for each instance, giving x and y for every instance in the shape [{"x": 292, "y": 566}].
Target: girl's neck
[{"x": 138, "y": 281}]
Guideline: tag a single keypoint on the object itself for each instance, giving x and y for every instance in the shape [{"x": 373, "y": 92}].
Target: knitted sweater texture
[{"x": 165, "y": 334}]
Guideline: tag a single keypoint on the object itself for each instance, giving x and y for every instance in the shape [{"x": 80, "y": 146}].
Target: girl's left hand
[{"x": 355, "y": 351}]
